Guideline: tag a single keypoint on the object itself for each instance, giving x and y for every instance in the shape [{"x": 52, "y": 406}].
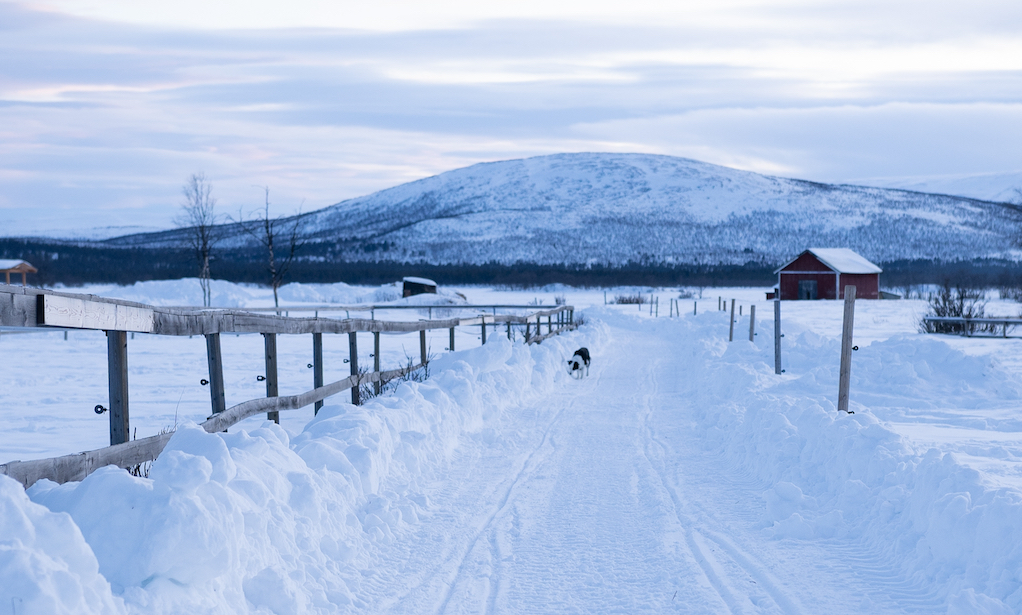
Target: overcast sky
[{"x": 107, "y": 106}]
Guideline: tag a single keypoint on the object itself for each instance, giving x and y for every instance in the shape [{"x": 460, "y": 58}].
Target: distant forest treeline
[{"x": 76, "y": 264}]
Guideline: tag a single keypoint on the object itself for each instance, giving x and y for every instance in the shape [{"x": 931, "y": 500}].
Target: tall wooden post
[
  {"x": 452, "y": 339},
  {"x": 528, "y": 326},
  {"x": 509, "y": 330},
  {"x": 484, "y": 329},
  {"x": 422, "y": 346},
  {"x": 378, "y": 385},
  {"x": 216, "y": 373},
  {"x": 270, "y": 346},
  {"x": 731, "y": 335},
  {"x": 317, "y": 366},
  {"x": 549, "y": 324},
  {"x": 752, "y": 323},
  {"x": 777, "y": 335},
  {"x": 695, "y": 308},
  {"x": 117, "y": 376},
  {"x": 845, "y": 376},
  {"x": 353, "y": 361}
]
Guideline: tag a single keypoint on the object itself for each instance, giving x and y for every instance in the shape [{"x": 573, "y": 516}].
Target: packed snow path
[{"x": 610, "y": 503}]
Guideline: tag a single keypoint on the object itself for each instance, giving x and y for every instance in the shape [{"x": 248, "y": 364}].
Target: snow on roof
[
  {"x": 841, "y": 260},
  {"x": 11, "y": 263},
  {"x": 844, "y": 260},
  {"x": 415, "y": 280}
]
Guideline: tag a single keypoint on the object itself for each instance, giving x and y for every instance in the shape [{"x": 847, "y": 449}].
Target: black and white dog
[{"x": 578, "y": 365}]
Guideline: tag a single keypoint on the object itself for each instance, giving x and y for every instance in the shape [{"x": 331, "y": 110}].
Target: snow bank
[
  {"x": 45, "y": 564},
  {"x": 850, "y": 475},
  {"x": 259, "y": 521},
  {"x": 182, "y": 292},
  {"x": 188, "y": 292}
]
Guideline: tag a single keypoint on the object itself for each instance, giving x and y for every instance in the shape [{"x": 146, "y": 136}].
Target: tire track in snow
[
  {"x": 865, "y": 577},
  {"x": 526, "y": 469},
  {"x": 696, "y": 539}
]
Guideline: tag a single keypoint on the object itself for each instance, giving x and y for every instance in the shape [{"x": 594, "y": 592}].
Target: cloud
[{"x": 107, "y": 107}]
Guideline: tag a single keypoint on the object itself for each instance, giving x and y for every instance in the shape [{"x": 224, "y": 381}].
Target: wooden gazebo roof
[{"x": 9, "y": 266}]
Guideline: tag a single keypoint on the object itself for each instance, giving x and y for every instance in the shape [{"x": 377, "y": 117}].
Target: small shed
[
  {"x": 9, "y": 266},
  {"x": 823, "y": 273},
  {"x": 417, "y": 286}
]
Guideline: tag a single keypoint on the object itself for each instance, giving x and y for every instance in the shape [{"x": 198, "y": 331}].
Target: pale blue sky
[{"x": 107, "y": 107}]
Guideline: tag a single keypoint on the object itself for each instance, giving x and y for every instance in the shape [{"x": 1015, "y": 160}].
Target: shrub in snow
[{"x": 956, "y": 302}]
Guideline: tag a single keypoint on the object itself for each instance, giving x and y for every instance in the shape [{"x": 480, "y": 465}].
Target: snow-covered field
[{"x": 682, "y": 476}]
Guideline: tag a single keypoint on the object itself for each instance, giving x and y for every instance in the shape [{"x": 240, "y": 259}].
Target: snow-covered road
[{"x": 611, "y": 503}]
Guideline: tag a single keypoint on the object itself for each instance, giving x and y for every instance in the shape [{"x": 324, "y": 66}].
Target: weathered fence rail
[
  {"x": 28, "y": 308},
  {"x": 970, "y": 326}
]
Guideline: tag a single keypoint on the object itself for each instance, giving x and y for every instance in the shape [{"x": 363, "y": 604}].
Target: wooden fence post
[
  {"x": 452, "y": 339},
  {"x": 270, "y": 345},
  {"x": 484, "y": 329},
  {"x": 731, "y": 335},
  {"x": 845, "y": 374},
  {"x": 777, "y": 336},
  {"x": 353, "y": 360},
  {"x": 509, "y": 330},
  {"x": 117, "y": 376},
  {"x": 695, "y": 308},
  {"x": 752, "y": 323},
  {"x": 378, "y": 385},
  {"x": 527, "y": 330},
  {"x": 422, "y": 345},
  {"x": 216, "y": 373},
  {"x": 317, "y": 367}
]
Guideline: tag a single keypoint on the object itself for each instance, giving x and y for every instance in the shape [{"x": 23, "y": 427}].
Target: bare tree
[
  {"x": 199, "y": 219},
  {"x": 282, "y": 239}
]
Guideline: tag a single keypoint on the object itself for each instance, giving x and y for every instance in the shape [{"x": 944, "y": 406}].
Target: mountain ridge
[{"x": 610, "y": 209}]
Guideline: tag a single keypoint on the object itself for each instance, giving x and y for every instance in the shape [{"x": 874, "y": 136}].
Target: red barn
[{"x": 823, "y": 273}]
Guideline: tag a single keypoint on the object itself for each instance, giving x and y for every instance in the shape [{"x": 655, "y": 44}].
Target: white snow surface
[
  {"x": 844, "y": 260},
  {"x": 682, "y": 475},
  {"x": 997, "y": 187}
]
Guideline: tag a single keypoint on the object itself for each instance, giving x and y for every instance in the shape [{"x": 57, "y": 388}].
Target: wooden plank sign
[{"x": 58, "y": 311}]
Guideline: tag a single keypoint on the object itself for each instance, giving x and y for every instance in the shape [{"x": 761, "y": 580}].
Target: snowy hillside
[
  {"x": 997, "y": 187},
  {"x": 616, "y": 208}
]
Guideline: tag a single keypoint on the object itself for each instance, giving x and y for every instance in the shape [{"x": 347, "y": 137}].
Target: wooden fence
[
  {"x": 970, "y": 326},
  {"x": 28, "y": 308}
]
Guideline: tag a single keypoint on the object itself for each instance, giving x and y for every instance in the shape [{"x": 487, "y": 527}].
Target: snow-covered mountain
[
  {"x": 617, "y": 208},
  {"x": 997, "y": 187}
]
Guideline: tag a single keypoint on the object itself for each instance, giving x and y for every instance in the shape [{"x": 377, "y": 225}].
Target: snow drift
[
  {"x": 259, "y": 521},
  {"x": 832, "y": 475}
]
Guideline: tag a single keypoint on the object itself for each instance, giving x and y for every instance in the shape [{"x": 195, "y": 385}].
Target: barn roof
[
  {"x": 415, "y": 280},
  {"x": 841, "y": 260},
  {"x": 9, "y": 264}
]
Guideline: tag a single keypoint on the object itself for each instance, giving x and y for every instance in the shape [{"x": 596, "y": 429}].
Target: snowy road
[{"x": 614, "y": 505}]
